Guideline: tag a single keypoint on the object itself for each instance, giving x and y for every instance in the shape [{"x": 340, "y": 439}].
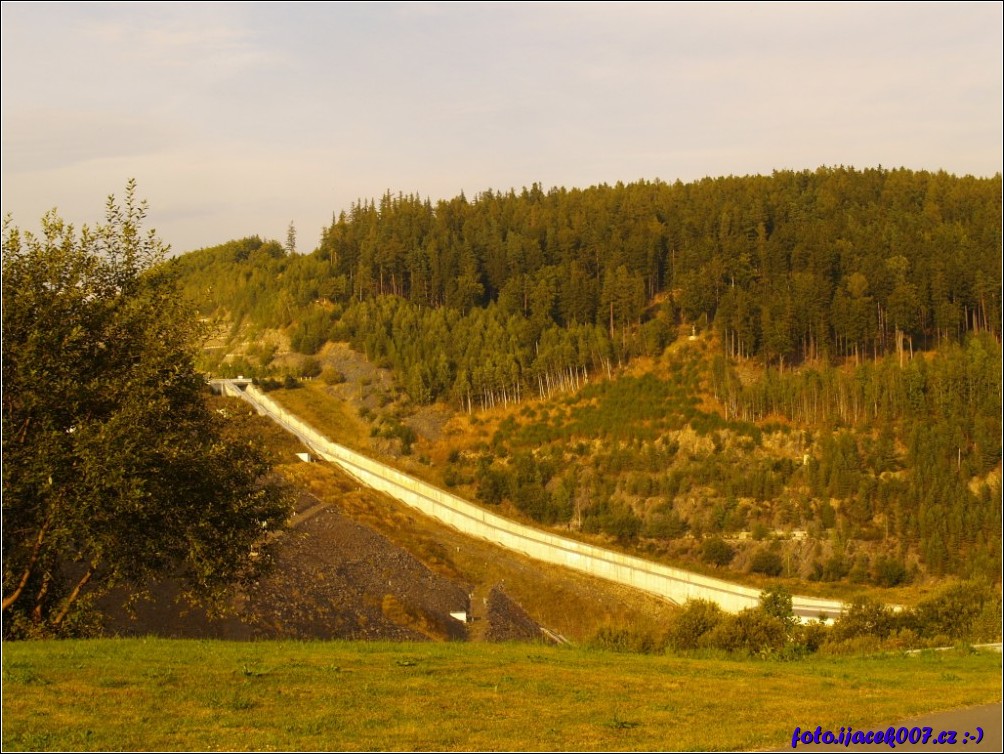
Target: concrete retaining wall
[{"x": 669, "y": 583}]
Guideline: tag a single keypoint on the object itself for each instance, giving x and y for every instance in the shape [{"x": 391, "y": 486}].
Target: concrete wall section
[{"x": 670, "y": 583}]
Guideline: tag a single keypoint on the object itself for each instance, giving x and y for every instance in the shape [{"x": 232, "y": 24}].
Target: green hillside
[{"x": 791, "y": 375}]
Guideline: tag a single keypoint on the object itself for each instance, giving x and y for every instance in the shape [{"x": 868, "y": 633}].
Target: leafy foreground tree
[{"x": 115, "y": 469}]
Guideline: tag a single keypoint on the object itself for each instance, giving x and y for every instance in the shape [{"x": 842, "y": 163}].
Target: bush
[
  {"x": 889, "y": 572},
  {"x": 616, "y": 520},
  {"x": 987, "y": 626},
  {"x": 533, "y": 500},
  {"x": 859, "y": 571},
  {"x": 453, "y": 476},
  {"x": 835, "y": 568},
  {"x": 864, "y": 617},
  {"x": 494, "y": 484},
  {"x": 750, "y": 631},
  {"x": 407, "y": 437},
  {"x": 624, "y": 525},
  {"x": 810, "y": 635},
  {"x": 957, "y": 610},
  {"x": 717, "y": 551},
  {"x": 767, "y": 562},
  {"x": 263, "y": 353},
  {"x": 331, "y": 376},
  {"x": 666, "y": 526},
  {"x": 695, "y": 619},
  {"x": 306, "y": 340},
  {"x": 904, "y": 638},
  {"x": 268, "y": 384},
  {"x": 656, "y": 334}
]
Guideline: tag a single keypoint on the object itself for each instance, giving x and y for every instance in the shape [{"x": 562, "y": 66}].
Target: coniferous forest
[{"x": 849, "y": 316}]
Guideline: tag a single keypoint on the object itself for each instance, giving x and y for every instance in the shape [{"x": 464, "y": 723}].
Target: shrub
[
  {"x": 695, "y": 619},
  {"x": 835, "y": 568},
  {"x": 767, "y": 562},
  {"x": 407, "y": 437},
  {"x": 331, "y": 376},
  {"x": 717, "y": 551},
  {"x": 655, "y": 334},
  {"x": 987, "y": 626},
  {"x": 535, "y": 502},
  {"x": 955, "y": 611},
  {"x": 751, "y": 631},
  {"x": 810, "y": 635},
  {"x": 306, "y": 338},
  {"x": 904, "y": 638},
  {"x": 624, "y": 525},
  {"x": 616, "y": 520},
  {"x": 494, "y": 484},
  {"x": 263, "y": 353},
  {"x": 827, "y": 515},
  {"x": 864, "y": 617},
  {"x": 889, "y": 572},
  {"x": 859, "y": 571},
  {"x": 268, "y": 384},
  {"x": 666, "y": 526}
]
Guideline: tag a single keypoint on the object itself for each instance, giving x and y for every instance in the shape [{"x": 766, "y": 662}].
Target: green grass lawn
[{"x": 157, "y": 694}]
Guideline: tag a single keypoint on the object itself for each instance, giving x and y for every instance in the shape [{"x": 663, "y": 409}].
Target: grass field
[{"x": 200, "y": 695}]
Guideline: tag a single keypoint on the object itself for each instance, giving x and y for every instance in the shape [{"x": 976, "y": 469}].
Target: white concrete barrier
[{"x": 669, "y": 583}]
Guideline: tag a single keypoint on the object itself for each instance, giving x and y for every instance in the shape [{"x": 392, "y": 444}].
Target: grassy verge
[
  {"x": 331, "y": 417},
  {"x": 176, "y": 695}
]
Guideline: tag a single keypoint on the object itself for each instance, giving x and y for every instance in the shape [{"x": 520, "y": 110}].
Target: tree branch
[
  {"x": 36, "y": 613},
  {"x": 35, "y": 551},
  {"x": 72, "y": 597}
]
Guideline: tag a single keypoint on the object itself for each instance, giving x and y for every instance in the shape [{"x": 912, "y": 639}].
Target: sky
[{"x": 237, "y": 119}]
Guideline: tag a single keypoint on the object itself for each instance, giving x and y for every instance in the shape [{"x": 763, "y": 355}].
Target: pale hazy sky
[{"x": 237, "y": 118}]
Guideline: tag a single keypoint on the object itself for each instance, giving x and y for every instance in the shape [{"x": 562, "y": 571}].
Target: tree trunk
[
  {"x": 72, "y": 597},
  {"x": 35, "y": 551}
]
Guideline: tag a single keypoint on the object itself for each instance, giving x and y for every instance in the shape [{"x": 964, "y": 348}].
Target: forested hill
[
  {"x": 484, "y": 298},
  {"x": 868, "y": 304}
]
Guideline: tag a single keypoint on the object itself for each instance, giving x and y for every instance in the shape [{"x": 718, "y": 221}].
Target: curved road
[{"x": 674, "y": 584}]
